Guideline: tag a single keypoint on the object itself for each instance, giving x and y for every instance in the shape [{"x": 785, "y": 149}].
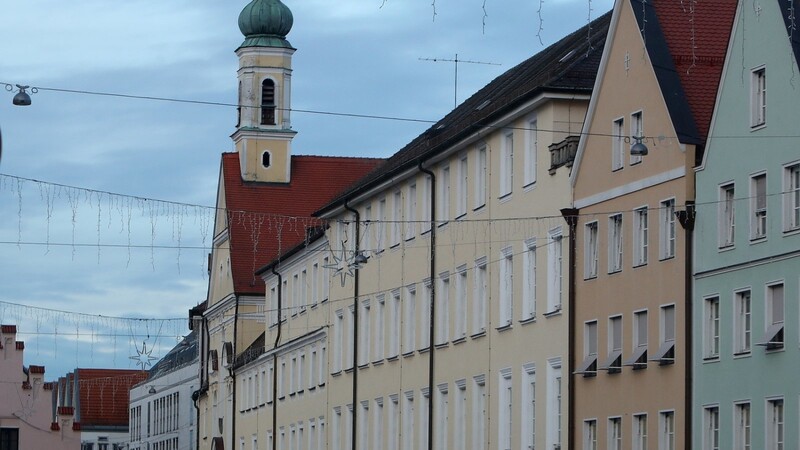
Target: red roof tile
[
  {"x": 697, "y": 35},
  {"x": 257, "y": 232},
  {"x": 104, "y": 395}
]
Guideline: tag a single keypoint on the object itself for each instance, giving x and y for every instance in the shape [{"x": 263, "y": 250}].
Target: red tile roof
[
  {"x": 104, "y": 395},
  {"x": 257, "y": 232},
  {"x": 697, "y": 34}
]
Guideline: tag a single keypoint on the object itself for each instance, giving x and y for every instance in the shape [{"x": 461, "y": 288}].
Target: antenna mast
[{"x": 455, "y": 62}]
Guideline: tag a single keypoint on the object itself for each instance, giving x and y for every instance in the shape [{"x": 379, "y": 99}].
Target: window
[
  {"x": 460, "y": 330},
  {"x": 507, "y": 163},
  {"x": 443, "y": 309},
  {"x": 480, "y": 178},
  {"x": 637, "y": 132},
  {"x": 590, "y": 252},
  {"x": 711, "y": 328},
  {"x": 463, "y": 182},
  {"x": 615, "y": 243},
  {"x": 742, "y": 322},
  {"x": 394, "y": 325},
  {"x": 775, "y": 425},
  {"x": 363, "y": 426},
  {"x": 640, "y": 239},
  {"x": 666, "y": 230},
  {"x": 758, "y": 206},
  {"x": 711, "y": 428},
  {"x": 589, "y": 435},
  {"x": 350, "y": 337},
  {"x": 444, "y": 195},
  {"x": 531, "y": 150},
  {"x": 640, "y": 432},
  {"x": 380, "y": 229},
  {"x": 727, "y": 217},
  {"x": 266, "y": 159},
  {"x": 666, "y": 430},
  {"x": 480, "y": 297},
  {"x": 553, "y": 438},
  {"x": 528, "y": 422},
  {"x": 773, "y": 338},
  {"x": 615, "y": 433},
  {"x": 666, "y": 348},
  {"x": 409, "y": 319},
  {"x": 638, "y": 359},
  {"x": 9, "y": 438},
  {"x": 379, "y": 327},
  {"x": 267, "y": 102},
  {"x": 392, "y": 428},
  {"x": 614, "y": 362},
  {"x": 742, "y": 439},
  {"x": 505, "y": 410},
  {"x": 442, "y": 418},
  {"x": 397, "y": 218},
  {"x": 758, "y": 98},
  {"x": 423, "y": 418},
  {"x": 377, "y": 425},
  {"x": 529, "y": 281},
  {"x": 588, "y": 368},
  {"x": 460, "y": 419},
  {"x": 426, "y": 204},
  {"x": 791, "y": 198},
  {"x": 411, "y": 212},
  {"x": 338, "y": 341},
  {"x": 425, "y": 322},
  {"x": 479, "y": 413},
  {"x": 555, "y": 255},
  {"x": 506, "y": 287},
  {"x": 617, "y": 143}
]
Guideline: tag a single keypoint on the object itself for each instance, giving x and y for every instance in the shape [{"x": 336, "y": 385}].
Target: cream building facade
[{"x": 429, "y": 308}]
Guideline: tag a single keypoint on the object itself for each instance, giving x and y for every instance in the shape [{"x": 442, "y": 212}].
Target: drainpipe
[
  {"x": 232, "y": 371},
  {"x": 275, "y": 362},
  {"x": 432, "y": 315},
  {"x": 571, "y": 216},
  {"x": 355, "y": 327},
  {"x": 686, "y": 219}
]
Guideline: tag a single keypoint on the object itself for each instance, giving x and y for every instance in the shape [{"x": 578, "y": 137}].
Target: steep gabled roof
[
  {"x": 568, "y": 66},
  {"x": 258, "y": 228},
  {"x": 687, "y": 43},
  {"x": 104, "y": 396}
]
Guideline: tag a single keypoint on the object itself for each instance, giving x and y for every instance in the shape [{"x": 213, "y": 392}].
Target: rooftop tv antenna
[{"x": 455, "y": 62}]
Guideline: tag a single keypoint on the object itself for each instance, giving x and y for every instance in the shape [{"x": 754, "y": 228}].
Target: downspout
[
  {"x": 275, "y": 361},
  {"x": 432, "y": 315},
  {"x": 354, "y": 423},
  {"x": 571, "y": 216},
  {"x": 686, "y": 219},
  {"x": 232, "y": 371}
]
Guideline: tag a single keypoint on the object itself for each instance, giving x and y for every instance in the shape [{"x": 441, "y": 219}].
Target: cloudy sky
[{"x": 104, "y": 200}]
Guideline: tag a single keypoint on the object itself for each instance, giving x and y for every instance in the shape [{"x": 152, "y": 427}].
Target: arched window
[
  {"x": 267, "y": 102},
  {"x": 266, "y": 159}
]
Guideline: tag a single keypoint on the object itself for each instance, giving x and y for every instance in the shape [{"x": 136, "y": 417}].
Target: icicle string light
[{"x": 541, "y": 22}]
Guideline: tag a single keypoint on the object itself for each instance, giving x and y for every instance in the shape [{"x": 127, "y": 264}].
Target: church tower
[{"x": 263, "y": 135}]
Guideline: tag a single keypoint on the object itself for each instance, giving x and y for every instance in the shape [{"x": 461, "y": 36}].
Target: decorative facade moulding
[{"x": 563, "y": 153}]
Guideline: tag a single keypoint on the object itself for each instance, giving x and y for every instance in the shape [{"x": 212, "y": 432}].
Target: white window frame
[
  {"x": 478, "y": 422},
  {"x": 460, "y": 328},
  {"x": 758, "y": 206},
  {"x": 338, "y": 341},
  {"x": 591, "y": 250},
  {"x": 380, "y": 328},
  {"x": 555, "y": 270},
  {"x": 615, "y": 433},
  {"x": 480, "y": 296},
  {"x": 742, "y": 321},
  {"x": 481, "y": 170},
  {"x": 529, "y": 280},
  {"x": 350, "y": 337},
  {"x": 615, "y": 343},
  {"x": 637, "y": 132},
  {"x": 397, "y": 218},
  {"x": 531, "y": 151},
  {"x": 775, "y": 424},
  {"x": 615, "y": 239},
  {"x": 618, "y": 139},
  {"x": 791, "y": 197},
  {"x": 528, "y": 407},
  {"x": 774, "y": 315},
  {"x": 506, "y": 179},
  {"x": 711, "y": 327},
  {"x": 411, "y": 212},
  {"x": 443, "y": 309},
  {"x": 442, "y": 416},
  {"x": 640, "y": 236},
  {"x": 460, "y": 415},
  {"x": 425, "y": 398},
  {"x": 444, "y": 195},
  {"x": 727, "y": 215},
  {"x": 758, "y": 97},
  {"x": 427, "y": 188},
  {"x": 667, "y": 231},
  {"x": 506, "y": 304},
  {"x": 505, "y": 409},
  {"x": 410, "y": 319},
  {"x": 392, "y": 428},
  {"x": 555, "y": 406},
  {"x": 666, "y": 430},
  {"x": 463, "y": 186},
  {"x": 639, "y": 433},
  {"x": 742, "y": 426},
  {"x": 425, "y": 315},
  {"x": 711, "y": 432},
  {"x": 364, "y": 338},
  {"x": 380, "y": 229},
  {"x": 394, "y": 325},
  {"x": 667, "y": 333}
]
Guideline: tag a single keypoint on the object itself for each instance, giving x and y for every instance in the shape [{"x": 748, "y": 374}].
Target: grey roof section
[
  {"x": 181, "y": 355},
  {"x": 568, "y": 66}
]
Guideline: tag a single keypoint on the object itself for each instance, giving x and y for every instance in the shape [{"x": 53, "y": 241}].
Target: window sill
[
  {"x": 336, "y": 374},
  {"x": 394, "y": 246},
  {"x": 461, "y": 216},
  {"x": 408, "y": 239},
  {"x": 553, "y": 313},
  {"x": 590, "y": 277},
  {"x": 743, "y": 354},
  {"x": 636, "y": 163},
  {"x": 423, "y": 350},
  {"x": 478, "y": 335},
  {"x": 301, "y": 391},
  {"x": 726, "y": 247},
  {"x": 758, "y": 126},
  {"x": 321, "y": 385},
  {"x": 710, "y": 359},
  {"x": 377, "y": 362},
  {"x": 312, "y": 389},
  {"x": 638, "y": 265},
  {"x": 531, "y": 319},
  {"x": 666, "y": 258},
  {"x": 393, "y": 358},
  {"x": 530, "y": 186},
  {"x": 348, "y": 370},
  {"x": 363, "y": 366},
  {"x": 408, "y": 354},
  {"x": 442, "y": 345},
  {"x": 504, "y": 198},
  {"x": 479, "y": 208},
  {"x": 612, "y": 272},
  {"x": 791, "y": 231},
  {"x": 443, "y": 224},
  {"x": 292, "y": 394},
  {"x": 424, "y": 232},
  {"x": 758, "y": 240},
  {"x": 617, "y": 169},
  {"x": 505, "y": 327},
  {"x": 460, "y": 340}
]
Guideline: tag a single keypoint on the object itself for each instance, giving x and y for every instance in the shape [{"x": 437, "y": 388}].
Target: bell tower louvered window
[{"x": 268, "y": 102}]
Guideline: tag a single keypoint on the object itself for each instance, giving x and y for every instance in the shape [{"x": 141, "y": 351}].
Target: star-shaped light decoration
[
  {"x": 143, "y": 357},
  {"x": 341, "y": 265}
]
